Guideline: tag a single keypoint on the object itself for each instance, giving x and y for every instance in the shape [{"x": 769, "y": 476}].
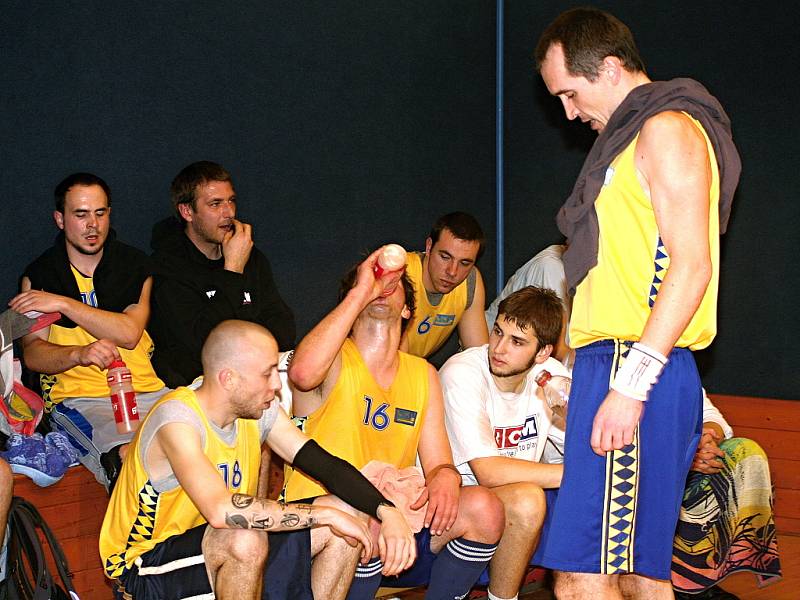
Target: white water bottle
[
  {"x": 393, "y": 258},
  {"x": 556, "y": 393}
]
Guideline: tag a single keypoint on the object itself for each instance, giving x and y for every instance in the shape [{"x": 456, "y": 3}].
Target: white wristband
[{"x": 639, "y": 372}]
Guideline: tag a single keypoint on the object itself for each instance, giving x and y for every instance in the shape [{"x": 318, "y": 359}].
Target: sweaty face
[
  {"x": 582, "y": 99},
  {"x": 212, "y": 217},
  {"x": 257, "y": 379},
  {"x": 512, "y": 350},
  {"x": 391, "y": 306},
  {"x": 448, "y": 262},
  {"x": 86, "y": 218}
]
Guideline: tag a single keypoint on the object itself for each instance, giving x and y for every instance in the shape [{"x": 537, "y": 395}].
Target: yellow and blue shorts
[{"x": 616, "y": 514}]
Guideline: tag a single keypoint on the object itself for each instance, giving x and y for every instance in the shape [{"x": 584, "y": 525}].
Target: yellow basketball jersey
[
  {"x": 615, "y": 299},
  {"x": 138, "y": 517},
  {"x": 90, "y": 382},
  {"x": 432, "y": 325},
  {"x": 361, "y": 421}
]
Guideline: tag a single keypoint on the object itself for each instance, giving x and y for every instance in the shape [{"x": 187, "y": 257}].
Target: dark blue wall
[{"x": 351, "y": 123}]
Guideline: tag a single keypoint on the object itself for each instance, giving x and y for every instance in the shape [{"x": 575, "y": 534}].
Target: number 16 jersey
[{"x": 360, "y": 421}]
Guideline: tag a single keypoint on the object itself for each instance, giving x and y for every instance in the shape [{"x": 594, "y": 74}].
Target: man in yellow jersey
[
  {"x": 184, "y": 520},
  {"x": 101, "y": 287},
  {"x": 448, "y": 287},
  {"x": 365, "y": 400},
  {"x": 643, "y": 225}
]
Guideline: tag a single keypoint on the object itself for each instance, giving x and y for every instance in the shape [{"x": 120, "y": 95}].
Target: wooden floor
[{"x": 742, "y": 585}]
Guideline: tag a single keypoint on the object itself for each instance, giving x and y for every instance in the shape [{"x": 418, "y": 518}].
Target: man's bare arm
[
  {"x": 673, "y": 160},
  {"x": 317, "y": 358},
  {"x": 42, "y": 356},
  {"x": 492, "y": 471},
  {"x": 180, "y": 445},
  {"x": 472, "y": 326},
  {"x": 124, "y": 329}
]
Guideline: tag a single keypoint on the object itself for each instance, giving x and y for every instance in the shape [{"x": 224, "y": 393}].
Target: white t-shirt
[
  {"x": 482, "y": 421},
  {"x": 545, "y": 270}
]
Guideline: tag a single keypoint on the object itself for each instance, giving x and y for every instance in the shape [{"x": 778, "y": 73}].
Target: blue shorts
[
  {"x": 617, "y": 514},
  {"x": 176, "y": 568}
]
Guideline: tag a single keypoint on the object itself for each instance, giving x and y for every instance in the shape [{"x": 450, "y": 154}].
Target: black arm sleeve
[{"x": 340, "y": 478}]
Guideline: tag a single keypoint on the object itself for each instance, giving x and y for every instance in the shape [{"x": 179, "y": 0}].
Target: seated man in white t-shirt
[{"x": 499, "y": 424}]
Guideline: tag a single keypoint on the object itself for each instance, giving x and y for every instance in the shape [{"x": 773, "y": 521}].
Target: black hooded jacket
[{"x": 192, "y": 294}]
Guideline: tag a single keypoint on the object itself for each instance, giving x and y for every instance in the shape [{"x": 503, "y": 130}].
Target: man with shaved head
[{"x": 184, "y": 519}]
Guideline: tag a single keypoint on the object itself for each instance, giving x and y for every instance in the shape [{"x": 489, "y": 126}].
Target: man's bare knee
[
  {"x": 577, "y": 586},
  {"x": 483, "y": 513},
  {"x": 237, "y": 545},
  {"x": 524, "y": 504}
]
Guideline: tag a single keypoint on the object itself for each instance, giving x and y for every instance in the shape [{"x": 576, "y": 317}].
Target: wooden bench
[
  {"x": 775, "y": 425},
  {"x": 74, "y": 508}
]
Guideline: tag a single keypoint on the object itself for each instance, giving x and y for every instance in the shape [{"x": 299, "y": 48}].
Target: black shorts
[{"x": 175, "y": 569}]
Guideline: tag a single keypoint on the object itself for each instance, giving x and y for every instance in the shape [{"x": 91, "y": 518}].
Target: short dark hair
[
  {"x": 349, "y": 280},
  {"x": 84, "y": 179},
  {"x": 535, "y": 307},
  {"x": 463, "y": 226},
  {"x": 588, "y": 35},
  {"x": 184, "y": 187}
]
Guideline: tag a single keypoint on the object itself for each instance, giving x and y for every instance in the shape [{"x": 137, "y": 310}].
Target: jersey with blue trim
[
  {"x": 90, "y": 381},
  {"x": 432, "y": 325},
  {"x": 615, "y": 298},
  {"x": 139, "y": 517},
  {"x": 360, "y": 421}
]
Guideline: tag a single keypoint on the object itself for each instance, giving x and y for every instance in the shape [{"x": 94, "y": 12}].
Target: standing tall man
[
  {"x": 643, "y": 226},
  {"x": 367, "y": 401},
  {"x": 102, "y": 288},
  {"x": 207, "y": 271},
  {"x": 448, "y": 287}
]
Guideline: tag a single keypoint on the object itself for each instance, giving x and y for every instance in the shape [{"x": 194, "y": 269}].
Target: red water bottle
[
  {"x": 556, "y": 394},
  {"x": 123, "y": 398}
]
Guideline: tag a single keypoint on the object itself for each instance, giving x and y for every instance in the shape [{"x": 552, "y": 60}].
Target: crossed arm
[{"x": 111, "y": 329}]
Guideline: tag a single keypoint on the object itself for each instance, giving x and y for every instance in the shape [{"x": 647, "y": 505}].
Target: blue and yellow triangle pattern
[
  {"x": 142, "y": 529},
  {"x": 619, "y": 519},
  {"x": 46, "y": 382},
  {"x": 660, "y": 264}
]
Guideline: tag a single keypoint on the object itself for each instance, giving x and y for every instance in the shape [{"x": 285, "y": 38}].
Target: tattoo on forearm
[
  {"x": 292, "y": 516},
  {"x": 236, "y": 521},
  {"x": 262, "y": 522},
  {"x": 241, "y": 500}
]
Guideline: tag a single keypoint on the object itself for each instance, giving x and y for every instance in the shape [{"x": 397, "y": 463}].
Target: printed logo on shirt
[
  {"x": 403, "y": 416},
  {"x": 211, "y": 293},
  {"x": 609, "y": 176},
  {"x": 89, "y": 298},
  {"x": 512, "y": 437},
  {"x": 443, "y": 320},
  {"x": 247, "y": 298}
]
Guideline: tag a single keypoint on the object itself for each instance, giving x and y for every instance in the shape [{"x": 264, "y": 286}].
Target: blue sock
[
  {"x": 457, "y": 568},
  {"x": 366, "y": 581}
]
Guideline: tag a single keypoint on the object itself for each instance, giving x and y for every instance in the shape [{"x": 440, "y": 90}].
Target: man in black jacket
[
  {"x": 207, "y": 271},
  {"x": 102, "y": 288}
]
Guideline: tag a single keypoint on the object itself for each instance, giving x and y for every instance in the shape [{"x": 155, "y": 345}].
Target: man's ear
[
  {"x": 185, "y": 211},
  {"x": 428, "y": 245},
  {"x": 226, "y": 378},
  {"x": 58, "y": 217},
  {"x": 406, "y": 312},
  {"x": 544, "y": 353},
  {"x": 612, "y": 69}
]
